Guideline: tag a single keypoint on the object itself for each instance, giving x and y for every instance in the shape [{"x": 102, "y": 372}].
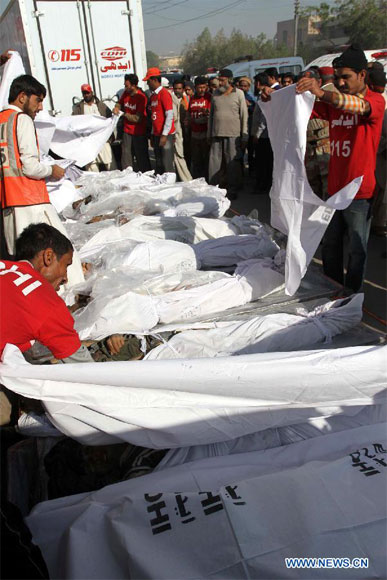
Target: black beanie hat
[
  {"x": 226, "y": 72},
  {"x": 353, "y": 58},
  {"x": 201, "y": 80}
]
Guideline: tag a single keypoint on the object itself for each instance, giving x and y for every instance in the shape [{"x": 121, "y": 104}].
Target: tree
[
  {"x": 219, "y": 51},
  {"x": 363, "y": 21},
  {"x": 152, "y": 59}
]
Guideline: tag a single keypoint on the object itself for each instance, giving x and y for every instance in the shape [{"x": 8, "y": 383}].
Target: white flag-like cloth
[
  {"x": 234, "y": 517},
  {"x": 296, "y": 211},
  {"x": 13, "y": 68},
  {"x": 45, "y": 126},
  {"x": 175, "y": 403},
  {"x": 81, "y": 137}
]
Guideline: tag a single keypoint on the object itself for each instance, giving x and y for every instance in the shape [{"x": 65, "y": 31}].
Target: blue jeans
[{"x": 355, "y": 221}]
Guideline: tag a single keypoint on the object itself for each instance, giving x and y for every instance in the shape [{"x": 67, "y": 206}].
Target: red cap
[
  {"x": 152, "y": 72},
  {"x": 86, "y": 88},
  {"x": 326, "y": 71}
]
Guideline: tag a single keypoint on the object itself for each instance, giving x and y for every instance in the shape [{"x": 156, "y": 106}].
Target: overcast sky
[{"x": 168, "y": 19}]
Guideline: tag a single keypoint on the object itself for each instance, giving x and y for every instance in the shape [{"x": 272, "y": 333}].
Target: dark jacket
[{"x": 104, "y": 111}]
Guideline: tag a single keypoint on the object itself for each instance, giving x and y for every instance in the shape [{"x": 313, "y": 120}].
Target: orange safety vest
[{"x": 16, "y": 188}]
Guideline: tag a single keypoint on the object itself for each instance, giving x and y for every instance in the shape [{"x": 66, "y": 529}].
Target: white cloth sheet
[
  {"x": 296, "y": 211},
  {"x": 230, "y": 250},
  {"x": 165, "y": 404},
  {"x": 236, "y": 516},
  {"x": 275, "y": 437},
  {"x": 188, "y": 230},
  {"x": 162, "y": 256},
  {"x": 13, "y": 68},
  {"x": 185, "y": 295},
  {"x": 267, "y": 333},
  {"x": 45, "y": 126},
  {"x": 79, "y": 137},
  {"x": 62, "y": 194}
]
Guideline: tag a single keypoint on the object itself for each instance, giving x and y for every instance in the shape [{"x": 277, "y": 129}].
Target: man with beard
[
  {"x": 91, "y": 105},
  {"x": 228, "y": 133},
  {"x": 24, "y": 196}
]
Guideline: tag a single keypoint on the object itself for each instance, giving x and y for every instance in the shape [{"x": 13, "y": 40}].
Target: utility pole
[{"x": 296, "y": 18}]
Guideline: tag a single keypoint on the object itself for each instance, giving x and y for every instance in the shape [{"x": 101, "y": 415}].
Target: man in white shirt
[
  {"x": 91, "y": 105},
  {"x": 273, "y": 78},
  {"x": 24, "y": 197}
]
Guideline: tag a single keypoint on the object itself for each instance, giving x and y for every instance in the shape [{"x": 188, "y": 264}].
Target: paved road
[{"x": 375, "y": 287}]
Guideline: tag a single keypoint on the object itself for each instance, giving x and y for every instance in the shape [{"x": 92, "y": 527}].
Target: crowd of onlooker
[{"x": 210, "y": 127}]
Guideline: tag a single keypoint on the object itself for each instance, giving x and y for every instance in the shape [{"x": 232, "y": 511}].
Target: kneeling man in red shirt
[{"x": 32, "y": 309}]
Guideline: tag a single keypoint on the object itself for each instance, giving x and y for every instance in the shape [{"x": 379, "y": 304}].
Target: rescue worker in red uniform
[{"x": 163, "y": 127}]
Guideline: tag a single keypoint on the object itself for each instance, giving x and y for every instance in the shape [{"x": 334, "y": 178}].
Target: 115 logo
[{"x": 65, "y": 55}]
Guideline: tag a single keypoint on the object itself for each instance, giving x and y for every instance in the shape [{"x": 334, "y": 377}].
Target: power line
[
  {"x": 156, "y": 4},
  {"x": 211, "y": 13},
  {"x": 166, "y": 7}
]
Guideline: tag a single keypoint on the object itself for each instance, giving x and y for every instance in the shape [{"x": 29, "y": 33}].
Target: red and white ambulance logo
[
  {"x": 65, "y": 55},
  {"x": 114, "y": 53},
  {"x": 54, "y": 55}
]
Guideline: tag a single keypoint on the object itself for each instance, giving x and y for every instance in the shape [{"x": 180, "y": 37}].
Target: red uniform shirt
[
  {"x": 134, "y": 104},
  {"x": 160, "y": 103},
  {"x": 354, "y": 141},
  {"x": 32, "y": 310},
  {"x": 199, "y": 108}
]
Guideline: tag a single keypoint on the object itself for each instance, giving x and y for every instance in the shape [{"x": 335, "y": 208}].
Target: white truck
[
  {"x": 66, "y": 43},
  {"x": 379, "y": 54},
  {"x": 293, "y": 64}
]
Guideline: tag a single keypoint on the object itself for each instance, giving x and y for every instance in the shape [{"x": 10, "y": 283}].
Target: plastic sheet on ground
[
  {"x": 165, "y": 404},
  {"x": 133, "y": 193},
  {"x": 296, "y": 211},
  {"x": 188, "y": 230},
  {"x": 269, "y": 333},
  {"x": 237, "y": 516},
  {"x": 62, "y": 194}
]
